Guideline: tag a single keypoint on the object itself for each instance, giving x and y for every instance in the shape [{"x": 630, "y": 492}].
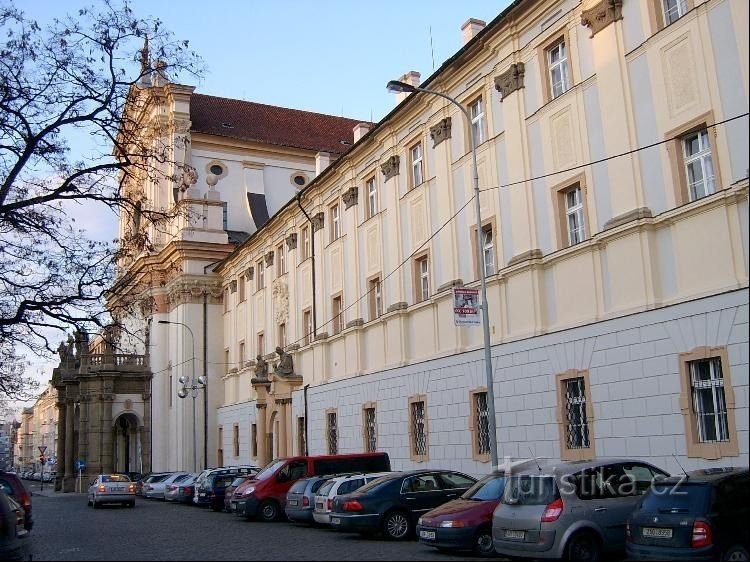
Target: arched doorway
[{"x": 127, "y": 446}]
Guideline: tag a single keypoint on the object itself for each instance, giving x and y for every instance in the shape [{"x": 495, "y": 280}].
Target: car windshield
[
  {"x": 529, "y": 490},
  {"x": 237, "y": 481},
  {"x": 677, "y": 497},
  {"x": 115, "y": 478},
  {"x": 326, "y": 487},
  {"x": 491, "y": 487},
  {"x": 270, "y": 469}
]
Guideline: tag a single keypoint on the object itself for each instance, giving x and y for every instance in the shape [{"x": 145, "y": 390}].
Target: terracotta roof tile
[{"x": 252, "y": 121}]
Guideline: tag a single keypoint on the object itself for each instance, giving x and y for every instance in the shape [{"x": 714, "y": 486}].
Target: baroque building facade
[{"x": 612, "y": 151}]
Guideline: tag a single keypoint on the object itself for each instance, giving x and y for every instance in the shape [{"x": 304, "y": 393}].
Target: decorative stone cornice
[
  {"x": 635, "y": 214},
  {"x": 390, "y": 167},
  {"x": 321, "y": 336},
  {"x": 261, "y": 406},
  {"x": 441, "y": 131},
  {"x": 510, "y": 80},
  {"x": 450, "y": 284},
  {"x": 182, "y": 292},
  {"x": 401, "y": 305},
  {"x": 291, "y": 241},
  {"x": 269, "y": 258},
  {"x": 282, "y": 401},
  {"x": 355, "y": 323},
  {"x": 601, "y": 15},
  {"x": 317, "y": 221},
  {"x": 233, "y": 285},
  {"x": 351, "y": 197},
  {"x": 534, "y": 254},
  {"x": 250, "y": 273}
]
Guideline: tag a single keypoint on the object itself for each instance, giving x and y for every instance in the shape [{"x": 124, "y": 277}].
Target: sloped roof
[{"x": 250, "y": 121}]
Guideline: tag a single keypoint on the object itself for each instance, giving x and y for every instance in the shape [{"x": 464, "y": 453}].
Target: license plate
[
  {"x": 292, "y": 502},
  {"x": 515, "y": 534},
  {"x": 201, "y": 495},
  {"x": 116, "y": 489},
  {"x": 335, "y": 521},
  {"x": 429, "y": 535},
  {"x": 657, "y": 533}
]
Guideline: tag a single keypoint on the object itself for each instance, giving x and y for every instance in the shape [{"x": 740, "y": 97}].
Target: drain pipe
[
  {"x": 312, "y": 258},
  {"x": 307, "y": 451}
]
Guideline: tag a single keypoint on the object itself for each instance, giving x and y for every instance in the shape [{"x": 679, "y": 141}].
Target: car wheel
[
  {"x": 94, "y": 504},
  {"x": 268, "y": 511},
  {"x": 88, "y": 502},
  {"x": 736, "y": 553},
  {"x": 483, "y": 545},
  {"x": 584, "y": 547},
  {"x": 396, "y": 525}
]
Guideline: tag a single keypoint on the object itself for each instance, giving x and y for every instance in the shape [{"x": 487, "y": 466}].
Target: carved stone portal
[
  {"x": 601, "y": 15},
  {"x": 510, "y": 80}
]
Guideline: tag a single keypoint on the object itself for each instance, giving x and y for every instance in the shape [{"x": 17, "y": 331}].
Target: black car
[
  {"x": 393, "y": 504},
  {"x": 701, "y": 515},
  {"x": 15, "y": 541},
  {"x": 211, "y": 488}
]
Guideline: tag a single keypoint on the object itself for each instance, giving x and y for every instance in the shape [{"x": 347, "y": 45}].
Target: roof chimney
[
  {"x": 470, "y": 29},
  {"x": 411, "y": 78},
  {"x": 322, "y": 161},
  {"x": 360, "y": 130}
]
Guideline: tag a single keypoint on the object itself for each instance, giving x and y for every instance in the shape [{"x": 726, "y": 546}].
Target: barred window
[
  {"x": 576, "y": 422},
  {"x": 371, "y": 431},
  {"x": 254, "y": 440},
  {"x": 236, "y": 440},
  {"x": 709, "y": 401},
  {"x": 301, "y": 441},
  {"x": 418, "y": 429},
  {"x": 333, "y": 434},
  {"x": 482, "y": 423}
]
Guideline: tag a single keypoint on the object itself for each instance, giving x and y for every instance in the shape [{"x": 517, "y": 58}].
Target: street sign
[
  {"x": 52, "y": 460},
  {"x": 80, "y": 465},
  {"x": 42, "y": 448}
]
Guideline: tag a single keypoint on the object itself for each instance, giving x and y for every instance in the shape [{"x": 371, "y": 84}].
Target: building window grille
[
  {"x": 371, "y": 431},
  {"x": 481, "y": 411},
  {"x": 574, "y": 215},
  {"x": 301, "y": 442},
  {"x": 699, "y": 166},
  {"x": 419, "y": 429},
  {"x": 709, "y": 402},
  {"x": 576, "y": 422},
  {"x": 333, "y": 434}
]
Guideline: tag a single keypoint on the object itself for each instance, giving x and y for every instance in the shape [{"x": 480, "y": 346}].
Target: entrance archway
[{"x": 127, "y": 446}]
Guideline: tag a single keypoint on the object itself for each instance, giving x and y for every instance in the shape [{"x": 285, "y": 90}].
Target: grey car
[
  {"x": 572, "y": 510},
  {"x": 300, "y": 499}
]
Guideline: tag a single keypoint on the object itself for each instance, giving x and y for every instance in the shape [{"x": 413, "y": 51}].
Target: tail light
[
  {"x": 20, "y": 518},
  {"x": 553, "y": 511},
  {"x": 330, "y": 504},
  {"x": 352, "y": 505},
  {"x": 102, "y": 488},
  {"x": 628, "y": 535},
  {"x": 701, "y": 535},
  {"x": 131, "y": 488},
  {"x": 25, "y": 500},
  {"x": 306, "y": 501}
]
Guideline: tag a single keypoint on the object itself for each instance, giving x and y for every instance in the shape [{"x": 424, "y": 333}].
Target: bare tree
[{"x": 68, "y": 146}]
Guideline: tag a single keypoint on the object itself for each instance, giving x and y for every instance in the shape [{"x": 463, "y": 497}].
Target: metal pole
[
  {"x": 483, "y": 282},
  {"x": 205, "y": 378}
]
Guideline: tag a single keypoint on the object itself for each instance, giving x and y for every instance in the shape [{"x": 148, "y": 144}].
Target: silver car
[
  {"x": 176, "y": 491},
  {"x": 111, "y": 488},
  {"x": 571, "y": 510},
  {"x": 157, "y": 487}
]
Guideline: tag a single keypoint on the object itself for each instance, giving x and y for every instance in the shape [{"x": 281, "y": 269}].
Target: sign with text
[{"x": 466, "y": 306}]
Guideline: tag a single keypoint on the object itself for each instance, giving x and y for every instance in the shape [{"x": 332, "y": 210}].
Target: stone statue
[
  {"x": 81, "y": 343},
  {"x": 286, "y": 365},
  {"x": 261, "y": 368},
  {"x": 62, "y": 349}
]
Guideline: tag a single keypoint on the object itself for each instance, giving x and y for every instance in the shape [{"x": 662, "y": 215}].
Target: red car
[
  {"x": 11, "y": 483},
  {"x": 466, "y": 522}
]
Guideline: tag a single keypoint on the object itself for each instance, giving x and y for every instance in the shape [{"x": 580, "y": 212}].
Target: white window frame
[
  {"x": 305, "y": 242},
  {"x": 699, "y": 160},
  {"x": 281, "y": 251},
  {"x": 307, "y": 326},
  {"x": 261, "y": 275},
  {"x": 337, "y": 308},
  {"x": 563, "y": 85},
  {"x": 423, "y": 269},
  {"x": 476, "y": 110},
  {"x": 575, "y": 224},
  {"x": 376, "y": 296},
  {"x": 673, "y": 10},
  {"x": 417, "y": 169},
  {"x": 488, "y": 249},
  {"x": 372, "y": 197},
  {"x": 335, "y": 222}
]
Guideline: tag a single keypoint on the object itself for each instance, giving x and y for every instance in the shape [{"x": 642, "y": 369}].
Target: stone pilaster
[{"x": 61, "y": 432}]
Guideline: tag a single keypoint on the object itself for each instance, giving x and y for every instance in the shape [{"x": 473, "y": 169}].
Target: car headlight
[
  {"x": 419, "y": 521},
  {"x": 249, "y": 491},
  {"x": 453, "y": 524}
]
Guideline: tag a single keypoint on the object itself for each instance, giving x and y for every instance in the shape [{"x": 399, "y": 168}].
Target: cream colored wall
[{"x": 614, "y": 272}]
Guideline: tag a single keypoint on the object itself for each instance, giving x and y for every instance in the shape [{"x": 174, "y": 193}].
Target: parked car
[
  {"x": 265, "y": 496},
  {"x": 231, "y": 488},
  {"x": 300, "y": 499},
  {"x": 151, "y": 479},
  {"x": 13, "y": 486},
  {"x": 339, "y": 485},
  {"x": 156, "y": 488},
  {"x": 111, "y": 488},
  {"x": 15, "y": 539},
  {"x": 393, "y": 504},
  {"x": 701, "y": 515},
  {"x": 210, "y": 490},
  {"x": 466, "y": 522},
  {"x": 570, "y": 510},
  {"x": 181, "y": 490}
]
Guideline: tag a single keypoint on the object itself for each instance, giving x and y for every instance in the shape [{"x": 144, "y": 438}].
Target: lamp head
[
  {"x": 202, "y": 380},
  {"x": 394, "y": 86},
  {"x": 182, "y": 393},
  {"x": 183, "y": 379}
]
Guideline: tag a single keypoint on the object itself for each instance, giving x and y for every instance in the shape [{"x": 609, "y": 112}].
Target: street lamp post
[
  {"x": 396, "y": 86},
  {"x": 194, "y": 385}
]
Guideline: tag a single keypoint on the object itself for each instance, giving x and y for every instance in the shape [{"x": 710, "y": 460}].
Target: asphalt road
[{"x": 66, "y": 529}]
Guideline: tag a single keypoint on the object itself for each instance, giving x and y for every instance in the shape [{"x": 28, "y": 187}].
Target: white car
[
  {"x": 157, "y": 487},
  {"x": 337, "y": 486},
  {"x": 111, "y": 488}
]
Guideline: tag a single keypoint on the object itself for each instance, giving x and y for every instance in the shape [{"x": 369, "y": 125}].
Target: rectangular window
[
  {"x": 488, "y": 249},
  {"x": 305, "y": 242},
  {"x": 307, "y": 327},
  {"x": 417, "y": 175},
  {"x": 261, "y": 344},
  {"x": 674, "y": 10},
  {"x": 281, "y": 264},
  {"x": 226, "y": 299},
  {"x": 371, "y": 430},
  {"x": 235, "y": 440},
  {"x": 699, "y": 169},
  {"x": 332, "y": 433},
  {"x": 220, "y": 451},
  {"x": 254, "y": 440},
  {"x": 260, "y": 275},
  {"x": 301, "y": 440},
  {"x": 226, "y": 361},
  {"x": 557, "y": 65},
  {"x": 241, "y": 282},
  {"x": 335, "y": 223},
  {"x": 481, "y": 424},
  {"x": 422, "y": 273},
  {"x": 371, "y": 188},
  {"x": 338, "y": 316},
  {"x": 574, "y": 216},
  {"x": 709, "y": 401},
  {"x": 242, "y": 355},
  {"x": 476, "y": 109},
  {"x": 418, "y": 422},
  {"x": 224, "y": 216},
  {"x": 375, "y": 298},
  {"x": 282, "y": 335},
  {"x": 576, "y": 420}
]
